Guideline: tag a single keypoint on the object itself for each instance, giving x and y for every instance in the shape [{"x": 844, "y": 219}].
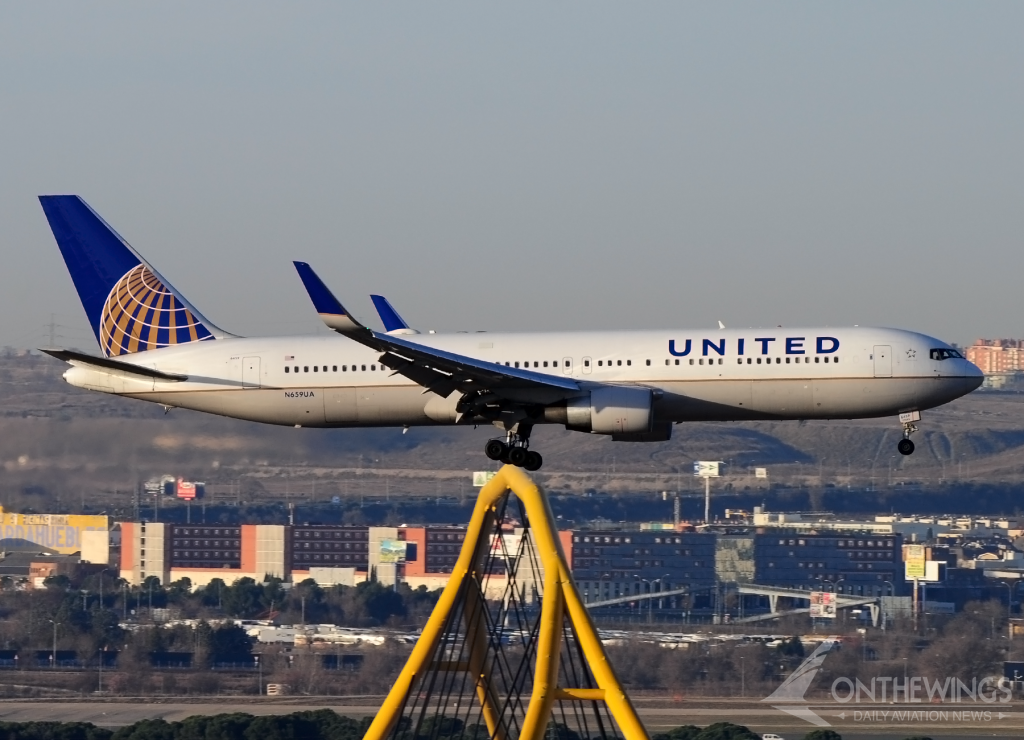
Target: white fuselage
[{"x": 723, "y": 375}]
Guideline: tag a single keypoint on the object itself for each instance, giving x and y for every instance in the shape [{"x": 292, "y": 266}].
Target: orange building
[{"x": 997, "y": 356}]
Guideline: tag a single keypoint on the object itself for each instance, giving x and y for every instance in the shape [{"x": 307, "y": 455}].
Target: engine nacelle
[{"x": 611, "y": 410}]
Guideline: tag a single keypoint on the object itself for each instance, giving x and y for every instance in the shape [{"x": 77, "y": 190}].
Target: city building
[{"x": 997, "y": 356}]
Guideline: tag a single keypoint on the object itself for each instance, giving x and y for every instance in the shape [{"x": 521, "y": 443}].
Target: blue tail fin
[{"x": 130, "y": 306}]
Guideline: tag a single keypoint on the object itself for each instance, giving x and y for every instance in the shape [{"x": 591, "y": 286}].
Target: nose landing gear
[
  {"x": 515, "y": 450},
  {"x": 905, "y": 446}
]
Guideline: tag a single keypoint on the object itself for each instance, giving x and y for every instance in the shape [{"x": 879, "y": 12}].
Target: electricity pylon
[{"x": 488, "y": 663}]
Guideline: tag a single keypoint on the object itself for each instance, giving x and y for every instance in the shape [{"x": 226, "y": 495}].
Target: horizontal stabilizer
[{"x": 105, "y": 363}]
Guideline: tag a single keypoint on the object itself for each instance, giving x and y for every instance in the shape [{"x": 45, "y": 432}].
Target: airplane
[{"x": 632, "y": 386}]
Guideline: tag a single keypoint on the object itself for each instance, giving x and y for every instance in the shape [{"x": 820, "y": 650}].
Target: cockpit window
[{"x": 945, "y": 354}]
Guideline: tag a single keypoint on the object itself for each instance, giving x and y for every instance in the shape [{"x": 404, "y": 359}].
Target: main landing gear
[
  {"x": 905, "y": 446},
  {"x": 515, "y": 450}
]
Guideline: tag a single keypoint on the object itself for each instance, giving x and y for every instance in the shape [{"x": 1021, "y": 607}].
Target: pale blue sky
[{"x": 522, "y": 166}]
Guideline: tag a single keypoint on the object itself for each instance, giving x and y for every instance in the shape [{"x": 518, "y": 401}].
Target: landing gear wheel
[
  {"x": 518, "y": 456},
  {"x": 533, "y": 461},
  {"x": 495, "y": 449},
  {"x": 905, "y": 446}
]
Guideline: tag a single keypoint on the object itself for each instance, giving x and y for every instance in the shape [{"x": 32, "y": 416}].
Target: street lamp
[
  {"x": 53, "y": 655},
  {"x": 259, "y": 667},
  {"x": 650, "y": 591},
  {"x": 892, "y": 592}
]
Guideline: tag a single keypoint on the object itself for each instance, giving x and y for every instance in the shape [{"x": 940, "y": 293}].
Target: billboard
[
  {"x": 706, "y": 468},
  {"x": 392, "y": 551},
  {"x": 60, "y": 533},
  {"x": 914, "y": 557},
  {"x": 481, "y": 477},
  {"x": 823, "y": 605},
  {"x": 188, "y": 490}
]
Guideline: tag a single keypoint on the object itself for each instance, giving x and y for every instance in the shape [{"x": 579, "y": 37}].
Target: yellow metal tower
[{"x": 492, "y": 663}]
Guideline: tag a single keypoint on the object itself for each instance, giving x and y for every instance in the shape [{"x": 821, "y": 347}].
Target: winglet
[
  {"x": 393, "y": 323},
  {"x": 330, "y": 309}
]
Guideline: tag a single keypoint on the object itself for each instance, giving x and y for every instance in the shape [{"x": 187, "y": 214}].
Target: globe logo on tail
[{"x": 141, "y": 313}]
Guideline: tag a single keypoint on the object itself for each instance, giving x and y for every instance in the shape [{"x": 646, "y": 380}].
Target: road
[{"x": 878, "y": 722}]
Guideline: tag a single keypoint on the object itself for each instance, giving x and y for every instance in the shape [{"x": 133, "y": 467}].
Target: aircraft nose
[{"x": 974, "y": 374}]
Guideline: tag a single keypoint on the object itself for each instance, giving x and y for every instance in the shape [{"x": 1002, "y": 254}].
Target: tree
[
  {"x": 147, "y": 729},
  {"x": 792, "y": 647},
  {"x": 230, "y": 644},
  {"x": 823, "y": 735},
  {"x": 380, "y": 602},
  {"x": 727, "y": 731},
  {"x": 57, "y": 583},
  {"x": 686, "y": 732},
  {"x": 243, "y": 598}
]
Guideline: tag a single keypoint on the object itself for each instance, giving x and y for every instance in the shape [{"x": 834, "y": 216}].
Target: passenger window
[
  {"x": 835, "y": 360},
  {"x": 364, "y": 368},
  {"x": 344, "y": 368},
  {"x": 629, "y": 362},
  {"x": 316, "y": 368},
  {"x": 826, "y": 359},
  {"x": 739, "y": 361},
  {"x": 666, "y": 362},
  {"x": 648, "y": 363},
  {"x": 778, "y": 360},
  {"x": 545, "y": 363},
  {"x": 758, "y": 360},
  {"x": 600, "y": 363},
  {"x": 586, "y": 363},
  {"x": 537, "y": 364},
  {"x": 517, "y": 364},
  {"x": 721, "y": 361},
  {"x": 305, "y": 368},
  {"x": 691, "y": 362},
  {"x": 325, "y": 368},
  {"x": 749, "y": 360},
  {"x": 817, "y": 359},
  {"x": 700, "y": 362},
  {"x": 807, "y": 360},
  {"x": 677, "y": 362},
  {"x": 286, "y": 368},
  {"x": 619, "y": 362},
  {"x": 373, "y": 367},
  {"x": 334, "y": 368}
]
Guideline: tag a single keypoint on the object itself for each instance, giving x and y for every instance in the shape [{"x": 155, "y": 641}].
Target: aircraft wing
[{"x": 437, "y": 370}]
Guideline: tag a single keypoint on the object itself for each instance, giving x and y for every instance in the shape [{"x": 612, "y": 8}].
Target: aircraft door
[
  {"x": 567, "y": 366},
  {"x": 883, "y": 361},
  {"x": 250, "y": 372}
]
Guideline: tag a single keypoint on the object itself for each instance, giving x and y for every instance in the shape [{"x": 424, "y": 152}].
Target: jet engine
[{"x": 610, "y": 410}]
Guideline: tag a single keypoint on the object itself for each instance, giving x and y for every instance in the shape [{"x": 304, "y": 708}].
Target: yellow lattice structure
[{"x": 562, "y": 613}]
